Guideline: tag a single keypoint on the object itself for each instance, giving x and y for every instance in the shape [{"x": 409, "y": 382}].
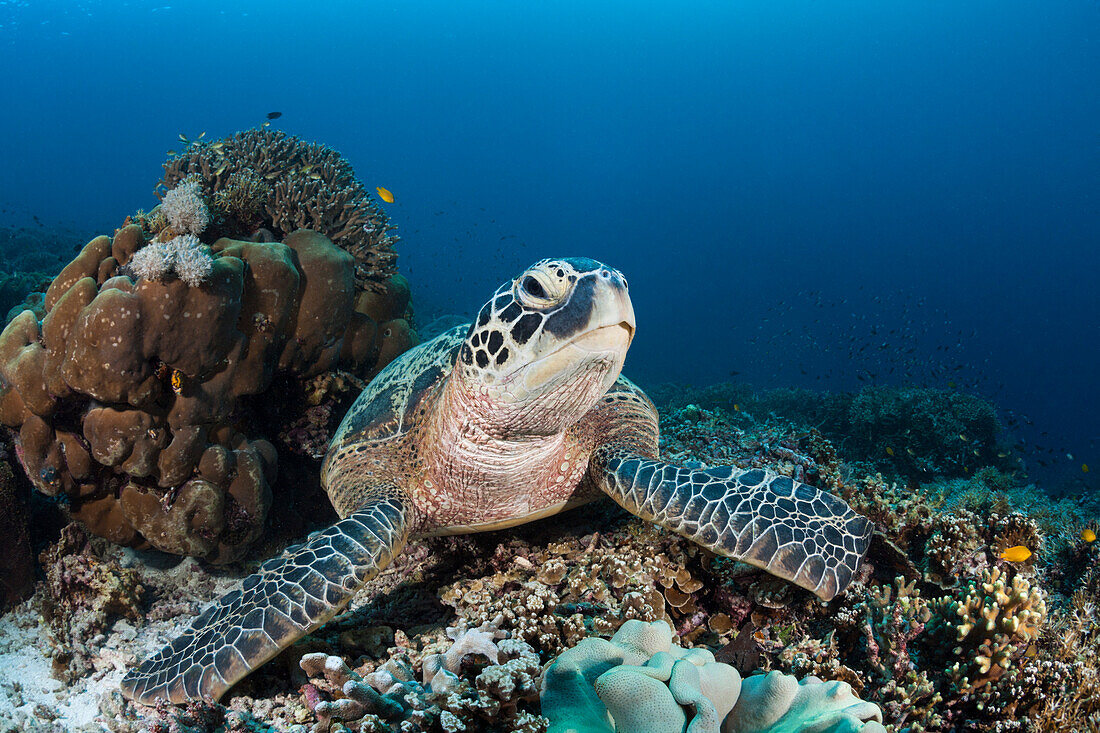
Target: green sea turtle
[{"x": 517, "y": 416}]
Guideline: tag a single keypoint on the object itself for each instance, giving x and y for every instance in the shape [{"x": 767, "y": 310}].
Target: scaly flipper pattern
[
  {"x": 288, "y": 597},
  {"x": 792, "y": 530}
]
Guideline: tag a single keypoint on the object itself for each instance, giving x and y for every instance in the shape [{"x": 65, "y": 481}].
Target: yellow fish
[
  {"x": 889, "y": 451},
  {"x": 1088, "y": 535},
  {"x": 1019, "y": 553},
  {"x": 736, "y": 407},
  {"x": 177, "y": 381},
  {"x": 1084, "y": 468},
  {"x": 384, "y": 194}
]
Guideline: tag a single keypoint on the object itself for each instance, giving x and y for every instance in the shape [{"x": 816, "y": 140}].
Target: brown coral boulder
[{"x": 131, "y": 398}]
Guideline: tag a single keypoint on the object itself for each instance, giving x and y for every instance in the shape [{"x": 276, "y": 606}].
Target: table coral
[{"x": 129, "y": 396}]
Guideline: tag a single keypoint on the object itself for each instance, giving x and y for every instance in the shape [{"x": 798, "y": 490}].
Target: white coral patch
[{"x": 184, "y": 208}]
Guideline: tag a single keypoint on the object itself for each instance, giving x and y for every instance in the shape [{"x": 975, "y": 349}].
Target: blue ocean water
[{"x": 801, "y": 193}]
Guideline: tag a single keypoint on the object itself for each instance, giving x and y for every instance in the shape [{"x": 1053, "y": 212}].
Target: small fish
[
  {"x": 183, "y": 138},
  {"x": 962, "y": 437},
  {"x": 976, "y": 452},
  {"x": 1088, "y": 535},
  {"x": 317, "y": 177},
  {"x": 384, "y": 194},
  {"x": 1019, "y": 553},
  {"x": 171, "y": 152},
  {"x": 177, "y": 381},
  {"x": 274, "y": 115},
  {"x": 1084, "y": 468},
  {"x": 736, "y": 407},
  {"x": 1002, "y": 455},
  {"x": 217, "y": 146},
  {"x": 221, "y": 169},
  {"x": 889, "y": 451},
  {"x": 267, "y": 123},
  {"x": 201, "y": 135}
]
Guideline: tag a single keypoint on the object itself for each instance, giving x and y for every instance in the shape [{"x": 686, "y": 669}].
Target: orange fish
[
  {"x": 384, "y": 194},
  {"x": 1019, "y": 553}
]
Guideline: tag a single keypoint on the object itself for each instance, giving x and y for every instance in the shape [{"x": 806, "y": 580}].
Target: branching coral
[
  {"x": 989, "y": 624},
  {"x": 270, "y": 180}
]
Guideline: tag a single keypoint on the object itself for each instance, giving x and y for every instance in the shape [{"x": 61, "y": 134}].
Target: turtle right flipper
[
  {"x": 792, "y": 530},
  {"x": 288, "y": 597}
]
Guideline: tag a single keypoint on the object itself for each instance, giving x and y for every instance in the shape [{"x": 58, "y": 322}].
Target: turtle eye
[{"x": 534, "y": 288}]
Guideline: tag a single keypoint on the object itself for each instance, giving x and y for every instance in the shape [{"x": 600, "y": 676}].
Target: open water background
[{"x": 806, "y": 193}]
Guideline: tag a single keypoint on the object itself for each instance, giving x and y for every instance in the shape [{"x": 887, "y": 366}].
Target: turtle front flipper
[
  {"x": 288, "y": 597},
  {"x": 792, "y": 530}
]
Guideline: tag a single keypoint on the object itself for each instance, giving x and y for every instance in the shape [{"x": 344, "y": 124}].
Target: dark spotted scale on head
[{"x": 554, "y": 296}]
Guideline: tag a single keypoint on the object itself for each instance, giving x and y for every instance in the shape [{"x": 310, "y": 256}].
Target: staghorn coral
[
  {"x": 267, "y": 179},
  {"x": 130, "y": 396}
]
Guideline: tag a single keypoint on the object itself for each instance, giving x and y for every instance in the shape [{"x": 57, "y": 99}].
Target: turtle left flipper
[
  {"x": 792, "y": 530},
  {"x": 289, "y": 597}
]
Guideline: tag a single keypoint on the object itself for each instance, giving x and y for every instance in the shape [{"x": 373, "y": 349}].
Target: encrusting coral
[{"x": 127, "y": 397}]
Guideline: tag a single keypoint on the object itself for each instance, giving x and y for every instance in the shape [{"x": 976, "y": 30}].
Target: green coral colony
[{"x": 193, "y": 384}]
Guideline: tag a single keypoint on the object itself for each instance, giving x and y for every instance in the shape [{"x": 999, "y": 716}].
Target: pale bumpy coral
[
  {"x": 778, "y": 703},
  {"x": 640, "y": 682}
]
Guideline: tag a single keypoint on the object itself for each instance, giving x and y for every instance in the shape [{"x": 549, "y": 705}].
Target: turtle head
[{"x": 549, "y": 343}]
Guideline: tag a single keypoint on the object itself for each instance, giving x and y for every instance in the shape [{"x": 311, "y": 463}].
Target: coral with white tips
[{"x": 185, "y": 209}]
